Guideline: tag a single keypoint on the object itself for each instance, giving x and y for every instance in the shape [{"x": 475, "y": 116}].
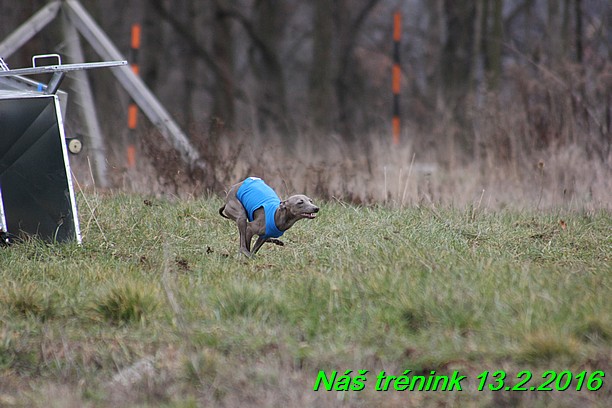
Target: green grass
[{"x": 157, "y": 308}]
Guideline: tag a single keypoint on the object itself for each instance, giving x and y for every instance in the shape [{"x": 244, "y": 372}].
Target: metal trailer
[{"x": 36, "y": 192}]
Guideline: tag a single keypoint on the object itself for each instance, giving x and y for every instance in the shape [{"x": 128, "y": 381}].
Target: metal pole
[
  {"x": 85, "y": 101},
  {"x": 397, "y": 74},
  {"x": 132, "y": 107}
]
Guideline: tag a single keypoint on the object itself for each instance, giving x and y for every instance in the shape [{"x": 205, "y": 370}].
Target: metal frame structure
[
  {"x": 78, "y": 21},
  {"x": 36, "y": 192}
]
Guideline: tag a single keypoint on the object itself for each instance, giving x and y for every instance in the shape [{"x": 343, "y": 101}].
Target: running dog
[{"x": 258, "y": 210}]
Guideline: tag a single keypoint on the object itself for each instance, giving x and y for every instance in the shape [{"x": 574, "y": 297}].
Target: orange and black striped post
[
  {"x": 132, "y": 108},
  {"x": 396, "y": 76}
]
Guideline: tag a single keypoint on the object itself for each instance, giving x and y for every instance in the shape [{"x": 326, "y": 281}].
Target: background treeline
[{"x": 482, "y": 80}]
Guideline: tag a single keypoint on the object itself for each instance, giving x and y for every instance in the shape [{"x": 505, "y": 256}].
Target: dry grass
[
  {"x": 544, "y": 143},
  {"x": 554, "y": 177}
]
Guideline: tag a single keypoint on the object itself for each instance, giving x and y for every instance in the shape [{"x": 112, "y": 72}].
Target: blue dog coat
[{"x": 254, "y": 194}]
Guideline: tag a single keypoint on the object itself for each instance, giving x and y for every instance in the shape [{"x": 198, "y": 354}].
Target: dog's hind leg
[
  {"x": 275, "y": 241},
  {"x": 222, "y": 214},
  {"x": 249, "y": 236}
]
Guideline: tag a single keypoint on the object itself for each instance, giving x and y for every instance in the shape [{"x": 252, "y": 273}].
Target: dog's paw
[{"x": 246, "y": 253}]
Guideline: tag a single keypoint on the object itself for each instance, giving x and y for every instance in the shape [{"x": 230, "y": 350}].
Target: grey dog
[{"x": 258, "y": 210}]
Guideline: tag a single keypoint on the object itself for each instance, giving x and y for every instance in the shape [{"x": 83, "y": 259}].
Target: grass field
[{"x": 156, "y": 308}]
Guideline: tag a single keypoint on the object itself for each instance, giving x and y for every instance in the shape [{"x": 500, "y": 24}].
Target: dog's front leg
[
  {"x": 260, "y": 241},
  {"x": 244, "y": 242},
  {"x": 249, "y": 236}
]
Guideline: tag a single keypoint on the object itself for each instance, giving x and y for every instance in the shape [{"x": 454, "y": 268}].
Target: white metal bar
[
  {"x": 73, "y": 205},
  {"x": 43, "y": 56},
  {"x": 49, "y": 69},
  {"x": 84, "y": 98},
  {"x": 55, "y": 82},
  {"x": 3, "y": 66},
  {"x": 25, "y": 84},
  {"x": 3, "y": 226}
]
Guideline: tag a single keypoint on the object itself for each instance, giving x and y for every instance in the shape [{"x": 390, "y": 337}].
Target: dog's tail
[{"x": 221, "y": 212}]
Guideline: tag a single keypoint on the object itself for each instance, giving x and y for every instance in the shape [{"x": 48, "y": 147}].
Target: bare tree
[
  {"x": 578, "y": 36},
  {"x": 321, "y": 72},
  {"x": 223, "y": 109},
  {"x": 457, "y": 60},
  {"x": 266, "y": 33},
  {"x": 554, "y": 33},
  {"x": 348, "y": 27},
  {"x": 264, "y": 30},
  {"x": 494, "y": 44}
]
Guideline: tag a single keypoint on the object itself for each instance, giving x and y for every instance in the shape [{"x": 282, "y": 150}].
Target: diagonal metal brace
[{"x": 55, "y": 82}]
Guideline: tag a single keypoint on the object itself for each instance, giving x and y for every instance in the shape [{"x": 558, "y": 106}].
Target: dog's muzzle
[{"x": 312, "y": 214}]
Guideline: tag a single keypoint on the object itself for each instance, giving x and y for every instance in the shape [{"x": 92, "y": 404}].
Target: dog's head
[{"x": 300, "y": 206}]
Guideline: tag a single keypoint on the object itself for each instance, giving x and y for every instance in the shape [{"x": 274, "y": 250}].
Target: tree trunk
[
  {"x": 479, "y": 30},
  {"x": 553, "y": 32},
  {"x": 496, "y": 39},
  {"x": 267, "y": 33},
  {"x": 320, "y": 81},
  {"x": 348, "y": 29},
  {"x": 439, "y": 24},
  {"x": 223, "y": 53},
  {"x": 457, "y": 52},
  {"x": 152, "y": 33},
  {"x": 578, "y": 39}
]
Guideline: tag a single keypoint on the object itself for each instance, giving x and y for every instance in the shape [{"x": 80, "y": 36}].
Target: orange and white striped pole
[
  {"x": 396, "y": 77},
  {"x": 132, "y": 108}
]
